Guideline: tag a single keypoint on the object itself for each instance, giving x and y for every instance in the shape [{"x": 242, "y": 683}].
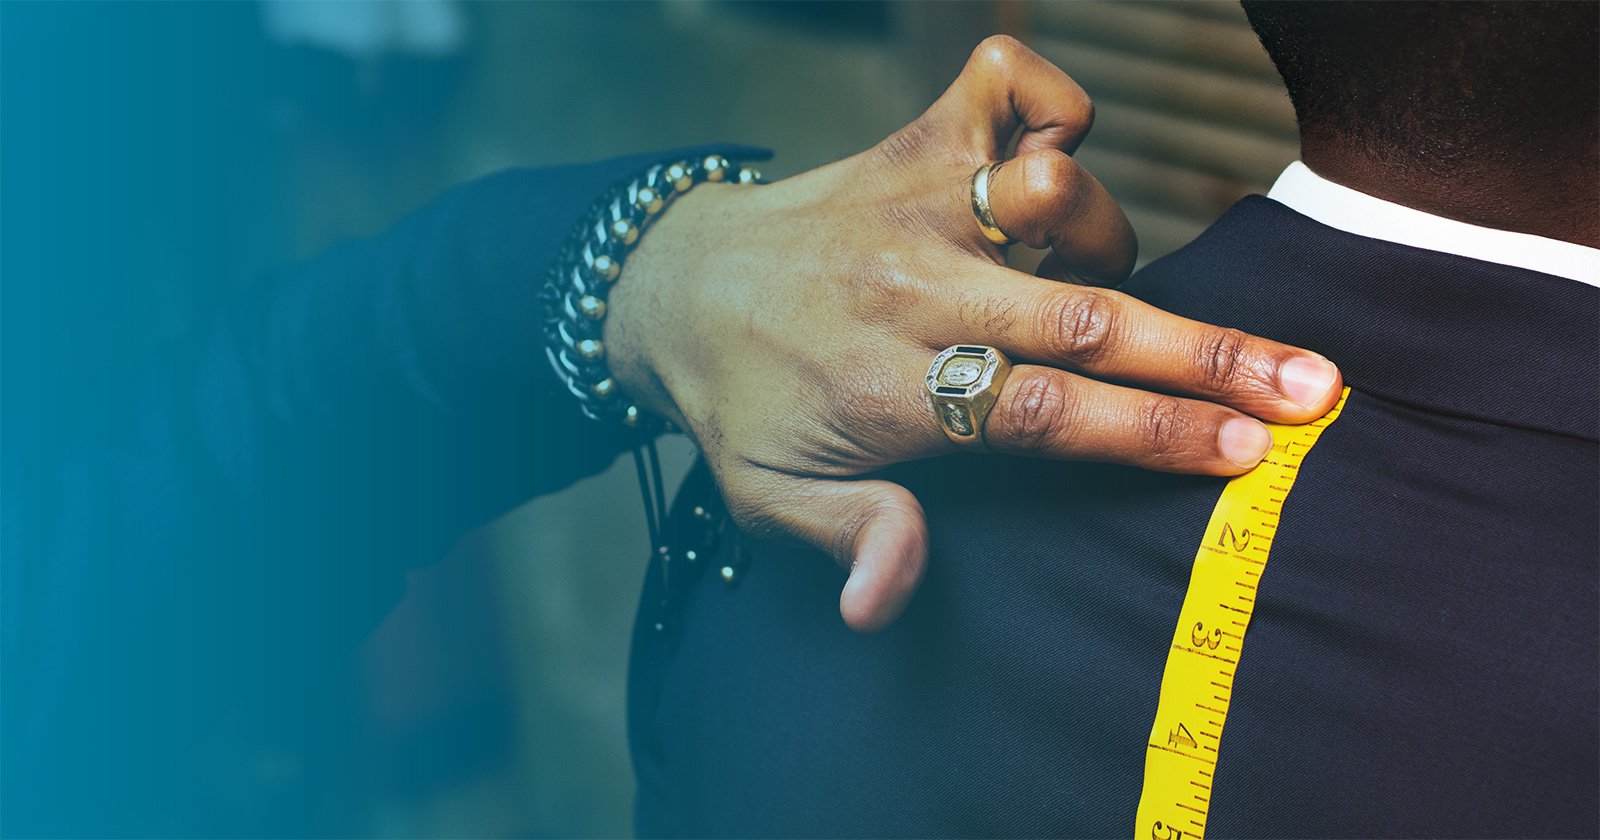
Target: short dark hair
[{"x": 1439, "y": 84}]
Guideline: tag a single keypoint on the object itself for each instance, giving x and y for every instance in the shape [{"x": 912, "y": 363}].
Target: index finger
[{"x": 1111, "y": 335}]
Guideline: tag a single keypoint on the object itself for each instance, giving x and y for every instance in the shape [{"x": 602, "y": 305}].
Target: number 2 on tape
[{"x": 1181, "y": 757}]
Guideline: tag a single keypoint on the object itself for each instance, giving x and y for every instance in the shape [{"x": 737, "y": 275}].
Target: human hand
[{"x": 788, "y": 328}]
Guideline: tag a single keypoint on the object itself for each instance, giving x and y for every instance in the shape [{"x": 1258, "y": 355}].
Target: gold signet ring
[
  {"x": 980, "y": 205},
  {"x": 964, "y": 381}
]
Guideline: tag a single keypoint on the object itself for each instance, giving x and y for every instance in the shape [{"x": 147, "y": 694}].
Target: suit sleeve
[{"x": 240, "y": 512}]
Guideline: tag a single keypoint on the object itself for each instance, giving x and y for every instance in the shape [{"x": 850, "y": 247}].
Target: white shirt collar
[{"x": 1355, "y": 212}]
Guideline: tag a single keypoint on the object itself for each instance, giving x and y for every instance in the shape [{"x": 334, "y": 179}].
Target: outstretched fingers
[
  {"x": 1044, "y": 412},
  {"x": 1110, "y": 335}
]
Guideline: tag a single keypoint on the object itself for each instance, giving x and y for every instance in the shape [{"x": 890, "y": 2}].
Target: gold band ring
[
  {"x": 964, "y": 382},
  {"x": 980, "y": 206}
]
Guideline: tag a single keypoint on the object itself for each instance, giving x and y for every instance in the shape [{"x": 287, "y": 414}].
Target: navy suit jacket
[{"x": 1422, "y": 660}]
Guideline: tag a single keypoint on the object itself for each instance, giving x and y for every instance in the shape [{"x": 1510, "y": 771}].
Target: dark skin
[
  {"x": 1486, "y": 112},
  {"x": 1556, "y": 194},
  {"x": 794, "y": 350}
]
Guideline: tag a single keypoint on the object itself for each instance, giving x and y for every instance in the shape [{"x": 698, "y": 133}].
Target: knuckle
[
  {"x": 1039, "y": 412},
  {"x": 996, "y": 51},
  {"x": 1050, "y": 179},
  {"x": 1165, "y": 426},
  {"x": 1079, "y": 326},
  {"x": 1048, "y": 195},
  {"x": 1222, "y": 357}
]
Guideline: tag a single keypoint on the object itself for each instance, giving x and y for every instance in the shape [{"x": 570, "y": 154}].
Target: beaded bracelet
[
  {"x": 575, "y": 296},
  {"x": 590, "y": 263}
]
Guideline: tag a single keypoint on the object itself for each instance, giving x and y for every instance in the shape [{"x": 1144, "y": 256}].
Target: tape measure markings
[{"x": 1198, "y": 678}]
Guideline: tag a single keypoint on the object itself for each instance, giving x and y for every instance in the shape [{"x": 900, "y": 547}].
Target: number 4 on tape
[{"x": 1181, "y": 757}]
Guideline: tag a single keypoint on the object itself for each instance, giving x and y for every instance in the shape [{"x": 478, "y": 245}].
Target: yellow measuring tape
[{"x": 1181, "y": 758}]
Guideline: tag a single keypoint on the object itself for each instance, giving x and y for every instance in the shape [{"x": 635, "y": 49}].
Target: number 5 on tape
[{"x": 1181, "y": 757}]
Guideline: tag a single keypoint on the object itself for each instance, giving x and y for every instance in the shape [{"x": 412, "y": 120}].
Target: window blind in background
[{"x": 1189, "y": 113}]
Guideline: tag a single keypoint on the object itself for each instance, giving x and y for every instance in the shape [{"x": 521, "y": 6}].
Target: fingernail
[
  {"x": 1307, "y": 381},
  {"x": 1244, "y": 441}
]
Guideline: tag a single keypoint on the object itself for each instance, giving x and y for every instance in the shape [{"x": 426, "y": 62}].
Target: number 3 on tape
[{"x": 1181, "y": 757}]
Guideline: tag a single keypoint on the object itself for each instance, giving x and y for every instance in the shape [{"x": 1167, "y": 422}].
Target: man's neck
[{"x": 1562, "y": 204}]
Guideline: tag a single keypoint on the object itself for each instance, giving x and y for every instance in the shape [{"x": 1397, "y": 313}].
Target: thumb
[
  {"x": 890, "y": 554},
  {"x": 873, "y": 527}
]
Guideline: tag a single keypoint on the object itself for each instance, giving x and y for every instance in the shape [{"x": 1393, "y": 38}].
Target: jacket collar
[
  {"x": 1442, "y": 332},
  {"x": 1353, "y": 211}
]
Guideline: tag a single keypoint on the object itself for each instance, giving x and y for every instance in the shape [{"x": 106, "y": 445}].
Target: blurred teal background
[{"x": 186, "y": 147}]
